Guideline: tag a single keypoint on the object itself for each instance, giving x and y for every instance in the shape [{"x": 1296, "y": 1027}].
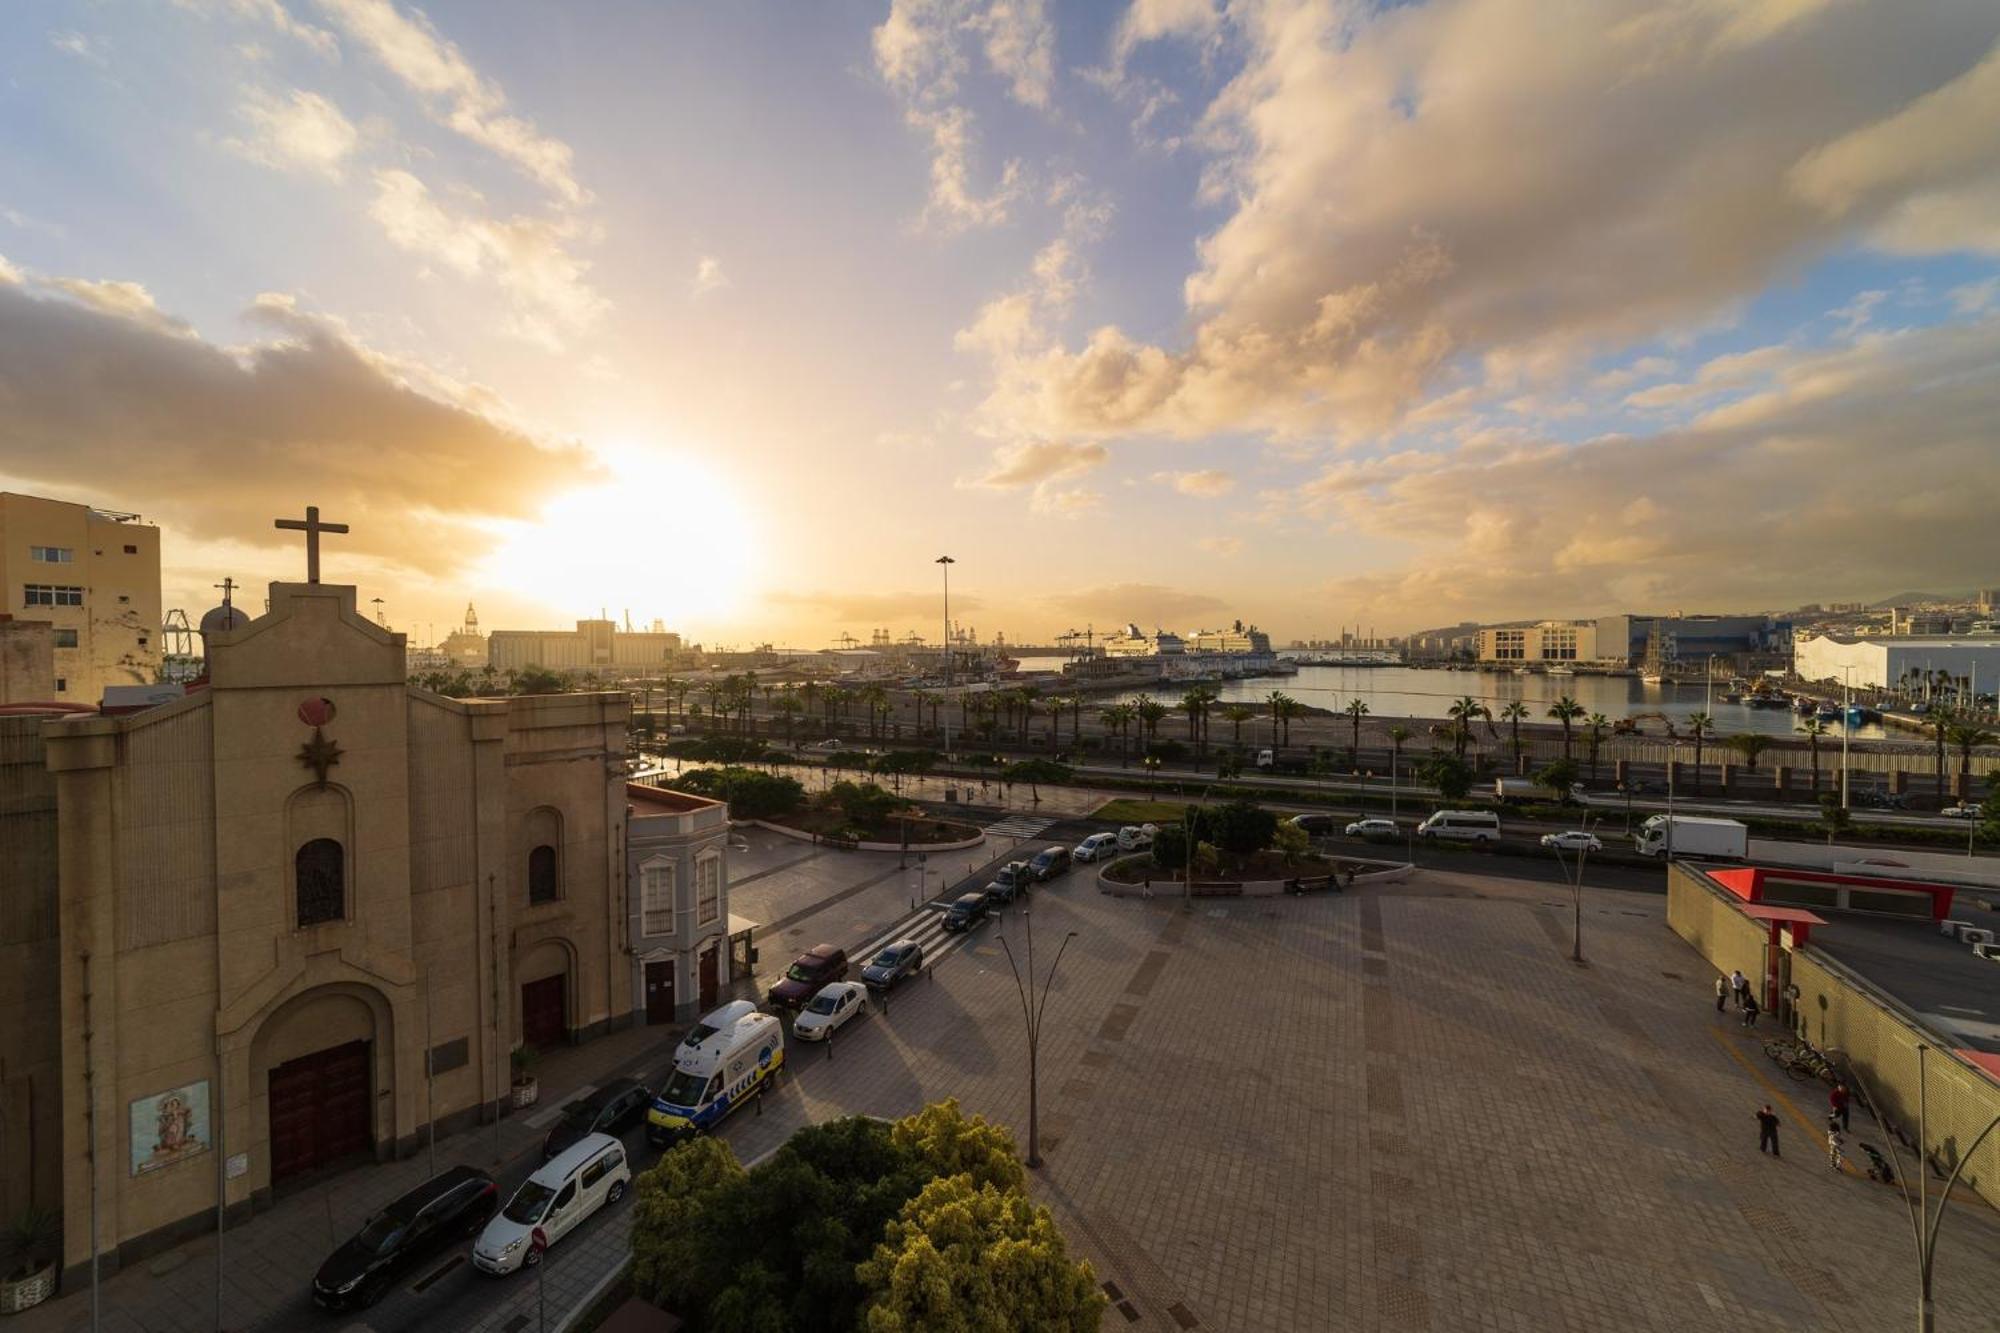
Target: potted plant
[
  {"x": 526, "y": 1090},
  {"x": 29, "y": 1246}
]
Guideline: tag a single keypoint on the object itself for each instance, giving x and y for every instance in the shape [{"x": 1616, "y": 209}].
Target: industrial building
[
  {"x": 1548, "y": 641},
  {"x": 94, "y": 576},
  {"x": 594, "y": 645},
  {"x": 1905, "y": 662}
]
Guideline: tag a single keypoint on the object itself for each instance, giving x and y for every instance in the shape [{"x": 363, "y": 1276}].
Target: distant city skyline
[{"x": 736, "y": 317}]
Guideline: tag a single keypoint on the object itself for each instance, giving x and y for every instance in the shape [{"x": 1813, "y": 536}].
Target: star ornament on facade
[{"x": 319, "y": 754}]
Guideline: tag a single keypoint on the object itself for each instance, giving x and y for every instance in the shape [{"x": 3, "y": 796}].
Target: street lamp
[
  {"x": 1031, "y": 1014},
  {"x": 944, "y": 563},
  {"x": 1846, "y": 726},
  {"x": 1576, "y": 891}
]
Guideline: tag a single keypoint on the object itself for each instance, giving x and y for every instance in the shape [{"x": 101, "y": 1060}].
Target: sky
[{"x": 737, "y": 317}]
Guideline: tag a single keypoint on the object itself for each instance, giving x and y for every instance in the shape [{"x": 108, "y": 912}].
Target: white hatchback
[
  {"x": 555, "y": 1200},
  {"x": 1573, "y": 840},
  {"x": 833, "y": 1006},
  {"x": 1373, "y": 828}
]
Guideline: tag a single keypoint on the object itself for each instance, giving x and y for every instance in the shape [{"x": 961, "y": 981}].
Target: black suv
[
  {"x": 449, "y": 1207},
  {"x": 612, "y": 1109},
  {"x": 966, "y": 911}
]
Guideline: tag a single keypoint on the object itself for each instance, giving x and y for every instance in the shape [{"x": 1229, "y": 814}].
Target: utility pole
[
  {"x": 944, "y": 563},
  {"x": 1846, "y": 727}
]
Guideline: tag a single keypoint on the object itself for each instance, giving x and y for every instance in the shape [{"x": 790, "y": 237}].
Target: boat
[
  {"x": 1827, "y": 713},
  {"x": 1652, "y": 678},
  {"x": 1558, "y": 671},
  {"x": 1804, "y": 707}
]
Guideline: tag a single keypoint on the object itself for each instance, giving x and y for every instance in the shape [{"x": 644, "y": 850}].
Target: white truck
[
  {"x": 1527, "y": 789},
  {"x": 1719, "y": 839}
]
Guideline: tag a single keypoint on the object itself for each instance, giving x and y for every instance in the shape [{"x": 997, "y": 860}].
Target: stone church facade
[{"x": 277, "y": 895}]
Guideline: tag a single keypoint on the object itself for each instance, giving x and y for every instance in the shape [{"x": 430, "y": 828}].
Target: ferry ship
[{"x": 1204, "y": 654}]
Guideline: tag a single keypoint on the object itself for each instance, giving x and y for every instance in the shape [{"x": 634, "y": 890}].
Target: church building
[{"x": 271, "y": 902}]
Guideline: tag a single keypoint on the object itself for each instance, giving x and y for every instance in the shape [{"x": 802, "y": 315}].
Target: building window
[
  {"x": 656, "y": 900},
  {"x": 51, "y": 594},
  {"x": 65, "y": 638},
  {"x": 320, "y": 869},
  {"x": 544, "y": 884},
  {"x": 707, "y": 889},
  {"x": 52, "y": 555},
  {"x": 62, "y": 685},
  {"x": 131, "y": 550}
]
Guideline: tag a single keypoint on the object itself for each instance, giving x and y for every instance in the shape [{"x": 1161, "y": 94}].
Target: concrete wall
[
  {"x": 27, "y": 661},
  {"x": 30, "y": 1026},
  {"x": 1707, "y": 918}
]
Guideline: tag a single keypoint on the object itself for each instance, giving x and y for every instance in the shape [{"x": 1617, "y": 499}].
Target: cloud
[
  {"x": 1207, "y": 483},
  {"x": 880, "y": 607},
  {"x": 527, "y": 256},
  {"x": 273, "y": 15},
  {"x": 1058, "y": 502},
  {"x": 9, "y": 275},
  {"x": 125, "y": 300},
  {"x": 1813, "y": 485},
  {"x": 83, "y": 47},
  {"x": 460, "y": 98},
  {"x": 920, "y": 53},
  {"x": 1222, "y": 546},
  {"x": 1716, "y": 376},
  {"x": 1412, "y": 190},
  {"x": 708, "y": 277},
  {"x": 1036, "y": 462},
  {"x": 1144, "y": 604},
  {"x": 1152, "y": 20},
  {"x": 301, "y": 132},
  {"x": 222, "y": 440}
]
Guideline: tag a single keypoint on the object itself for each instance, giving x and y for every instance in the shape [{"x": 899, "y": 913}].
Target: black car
[
  {"x": 966, "y": 911},
  {"x": 612, "y": 1109},
  {"x": 450, "y": 1207},
  {"x": 1048, "y": 863}
]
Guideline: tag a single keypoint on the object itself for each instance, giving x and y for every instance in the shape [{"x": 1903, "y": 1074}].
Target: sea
[{"x": 1409, "y": 692}]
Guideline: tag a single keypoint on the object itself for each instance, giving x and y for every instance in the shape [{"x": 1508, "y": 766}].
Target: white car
[
  {"x": 1960, "y": 812},
  {"x": 1573, "y": 840},
  {"x": 1373, "y": 828},
  {"x": 1095, "y": 847},
  {"x": 828, "y": 746},
  {"x": 834, "y": 1005},
  {"x": 1136, "y": 837},
  {"x": 570, "y": 1186}
]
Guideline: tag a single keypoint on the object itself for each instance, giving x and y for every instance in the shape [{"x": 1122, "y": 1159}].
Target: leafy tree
[
  {"x": 898, "y": 762},
  {"x": 1750, "y": 745},
  {"x": 1566, "y": 710},
  {"x": 1700, "y": 726},
  {"x": 1398, "y": 734},
  {"x": 1594, "y": 728},
  {"x": 750, "y": 794},
  {"x": 864, "y": 803},
  {"x": 969, "y": 1258},
  {"x": 537, "y": 680},
  {"x": 1167, "y": 751},
  {"x": 1557, "y": 777},
  {"x": 1834, "y": 819},
  {"x": 1170, "y": 847},
  {"x": 1940, "y": 720},
  {"x": 1037, "y": 771},
  {"x": 1968, "y": 736},
  {"x": 1292, "y": 840},
  {"x": 1239, "y": 827},
  {"x": 1149, "y": 712},
  {"x": 1988, "y": 828},
  {"x": 948, "y": 1143},
  {"x": 1449, "y": 773},
  {"x": 672, "y": 1253}
]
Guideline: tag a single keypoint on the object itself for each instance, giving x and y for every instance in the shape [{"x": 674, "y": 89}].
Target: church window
[
  {"x": 656, "y": 900},
  {"x": 544, "y": 885},
  {"x": 320, "y": 869},
  {"x": 707, "y": 889}
]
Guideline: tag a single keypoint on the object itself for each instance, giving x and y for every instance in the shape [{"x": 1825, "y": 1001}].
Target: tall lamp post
[
  {"x": 1576, "y": 890},
  {"x": 1846, "y": 726},
  {"x": 1032, "y": 1008},
  {"x": 944, "y": 563}
]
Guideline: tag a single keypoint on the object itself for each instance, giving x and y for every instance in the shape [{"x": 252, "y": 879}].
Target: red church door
[
  {"x": 319, "y": 1109},
  {"x": 544, "y": 1012}
]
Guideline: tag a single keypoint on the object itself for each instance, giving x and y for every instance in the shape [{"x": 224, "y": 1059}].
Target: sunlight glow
[{"x": 666, "y": 537}]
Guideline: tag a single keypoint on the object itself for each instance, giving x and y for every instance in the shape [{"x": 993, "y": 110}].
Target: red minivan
[{"x": 814, "y": 968}]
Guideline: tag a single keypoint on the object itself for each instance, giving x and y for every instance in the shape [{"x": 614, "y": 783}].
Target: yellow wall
[{"x": 117, "y": 627}]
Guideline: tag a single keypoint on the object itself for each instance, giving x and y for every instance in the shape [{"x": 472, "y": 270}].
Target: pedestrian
[
  {"x": 1767, "y": 1131},
  {"x": 1834, "y": 1143},
  {"x": 1721, "y": 993},
  {"x": 1749, "y": 1010},
  {"x": 1739, "y": 984},
  {"x": 1838, "y": 1099}
]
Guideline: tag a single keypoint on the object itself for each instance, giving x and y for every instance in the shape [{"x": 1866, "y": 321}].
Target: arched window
[
  {"x": 544, "y": 884},
  {"x": 320, "y": 872}
]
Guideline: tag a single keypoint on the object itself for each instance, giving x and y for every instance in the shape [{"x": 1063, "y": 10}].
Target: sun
[{"x": 666, "y": 537}]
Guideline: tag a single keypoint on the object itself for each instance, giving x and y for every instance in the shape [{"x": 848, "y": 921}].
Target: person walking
[
  {"x": 1721, "y": 993},
  {"x": 1749, "y": 1010},
  {"x": 1834, "y": 1143},
  {"x": 1740, "y": 985},
  {"x": 1838, "y": 1099},
  {"x": 1767, "y": 1131}
]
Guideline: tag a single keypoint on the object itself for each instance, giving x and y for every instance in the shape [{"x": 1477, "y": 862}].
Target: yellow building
[
  {"x": 1548, "y": 641},
  {"x": 239, "y": 914},
  {"x": 95, "y": 576}
]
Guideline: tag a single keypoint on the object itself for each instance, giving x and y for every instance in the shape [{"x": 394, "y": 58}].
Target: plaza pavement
[{"x": 1400, "y": 1108}]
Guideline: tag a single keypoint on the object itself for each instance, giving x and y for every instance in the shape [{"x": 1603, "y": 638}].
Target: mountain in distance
[{"x": 1916, "y": 598}]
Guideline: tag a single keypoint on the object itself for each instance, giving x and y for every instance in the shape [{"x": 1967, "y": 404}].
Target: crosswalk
[
  {"x": 926, "y": 927},
  {"x": 1019, "y": 826}
]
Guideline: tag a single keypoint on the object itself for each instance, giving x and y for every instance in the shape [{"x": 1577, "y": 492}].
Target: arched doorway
[{"x": 317, "y": 1060}]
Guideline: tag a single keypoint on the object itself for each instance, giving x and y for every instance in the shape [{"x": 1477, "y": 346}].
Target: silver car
[{"x": 904, "y": 958}]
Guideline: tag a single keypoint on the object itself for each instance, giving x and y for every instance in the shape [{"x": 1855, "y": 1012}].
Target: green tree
[
  {"x": 970, "y": 1258},
  {"x": 1566, "y": 710},
  {"x": 1398, "y": 734},
  {"x": 1751, "y": 746},
  {"x": 1813, "y": 729},
  {"x": 1236, "y": 715},
  {"x": 1117, "y": 717},
  {"x": 864, "y": 803},
  {"x": 1292, "y": 840},
  {"x": 949, "y": 1143},
  {"x": 674, "y": 1260},
  {"x": 1462, "y": 712},
  {"x": 1940, "y": 720},
  {"x": 1594, "y": 728},
  {"x": 1967, "y": 737},
  {"x": 1037, "y": 771},
  {"x": 1170, "y": 847},
  {"x": 1356, "y": 710},
  {"x": 536, "y": 680},
  {"x": 1449, "y": 773},
  {"x": 750, "y": 794},
  {"x": 1700, "y": 726},
  {"x": 1239, "y": 827},
  {"x": 1557, "y": 777},
  {"x": 1833, "y": 817},
  {"x": 1149, "y": 712},
  {"x": 1988, "y": 829},
  {"x": 1512, "y": 715}
]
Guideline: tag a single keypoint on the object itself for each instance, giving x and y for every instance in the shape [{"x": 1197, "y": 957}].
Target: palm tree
[
  {"x": 1512, "y": 715},
  {"x": 1595, "y": 726},
  {"x": 1397, "y": 735},
  {"x": 1941, "y": 719},
  {"x": 1149, "y": 712},
  {"x": 1462, "y": 711},
  {"x": 1356, "y": 710},
  {"x": 1968, "y": 736},
  {"x": 1566, "y": 710},
  {"x": 1237, "y": 715},
  {"x": 1750, "y": 745},
  {"x": 1699, "y": 726},
  {"x": 716, "y": 693},
  {"x": 1283, "y": 709},
  {"x": 1117, "y": 717},
  {"x": 789, "y": 709},
  {"x": 876, "y": 699},
  {"x": 1812, "y": 728}
]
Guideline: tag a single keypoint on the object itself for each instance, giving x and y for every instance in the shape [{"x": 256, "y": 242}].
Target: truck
[
  {"x": 1527, "y": 789},
  {"x": 1720, "y": 839}
]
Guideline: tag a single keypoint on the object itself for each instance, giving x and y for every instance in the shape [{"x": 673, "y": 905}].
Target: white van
[
  {"x": 1462, "y": 825},
  {"x": 727, "y": 1059},
  {"x": 1266, "y": 759},
  {"x": 570, "y": 1187},
  {"x": 1136, "y": 837}
]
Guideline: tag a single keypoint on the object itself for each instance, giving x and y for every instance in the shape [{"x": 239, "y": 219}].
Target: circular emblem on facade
[
  {"x": 316, "y": 712},
  {"x": 764, "y": 1057}
]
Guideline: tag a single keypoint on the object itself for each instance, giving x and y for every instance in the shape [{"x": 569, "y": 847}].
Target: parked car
[
  {"x": 568, "y": 1189},
  {"x": 1096, "y": 847},
  {"x": 827, "y": 746},
  {"x": 1373, "y": 828},
  {"x": 1136, "y": 837},
  {"x": 1967, "y": 811},
  {"x": 1015, "y": 877},
  {"x": 832, "y": 1007},
  {"x": 904, "y": 958},
  {"x": 1315, "y": 824},
  {"x": 446, "y": 1209},
  {"x": 1573, "y": 840},
  {"x": 611, "y": 1109},
  {"x": 966, "y": 911},
  {"x": 809, "y": 971},
  {"x": 998, "y": 894},
  {"x": 1048, "y": 863}
]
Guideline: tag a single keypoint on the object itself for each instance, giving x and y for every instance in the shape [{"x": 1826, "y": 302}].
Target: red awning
[
  {"x": 1792, "y": 916},
  {"x": 1986, "y": 1060}
]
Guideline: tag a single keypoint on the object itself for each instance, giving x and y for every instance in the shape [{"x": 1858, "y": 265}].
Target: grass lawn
[{"x": 1129, "y": 810}]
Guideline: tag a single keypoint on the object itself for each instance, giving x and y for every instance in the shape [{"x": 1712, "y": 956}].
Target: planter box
[
  {"x": 29, "y": 1292},
  {"x": 527, "y": 1094}
]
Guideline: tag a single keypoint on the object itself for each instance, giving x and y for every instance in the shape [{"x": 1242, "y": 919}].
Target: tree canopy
[{"x": 750, "y": 794}]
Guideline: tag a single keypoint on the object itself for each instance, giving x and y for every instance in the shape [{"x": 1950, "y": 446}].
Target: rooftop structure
[{"x": 1900, "y": 662}]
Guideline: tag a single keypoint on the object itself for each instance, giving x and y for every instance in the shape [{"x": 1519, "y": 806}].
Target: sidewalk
[{"x": 270, "y": 1259}]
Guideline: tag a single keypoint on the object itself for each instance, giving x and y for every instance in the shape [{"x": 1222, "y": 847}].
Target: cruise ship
[{"x": 1204, "y": 654}]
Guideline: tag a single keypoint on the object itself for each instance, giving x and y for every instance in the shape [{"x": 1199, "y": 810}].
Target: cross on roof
[
  {"x": 312, "y": 527},
  {"x": 228, "y": 586}
]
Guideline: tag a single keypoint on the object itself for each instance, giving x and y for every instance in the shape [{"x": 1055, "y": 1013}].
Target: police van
[{"x": 726, "y": 1059}]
